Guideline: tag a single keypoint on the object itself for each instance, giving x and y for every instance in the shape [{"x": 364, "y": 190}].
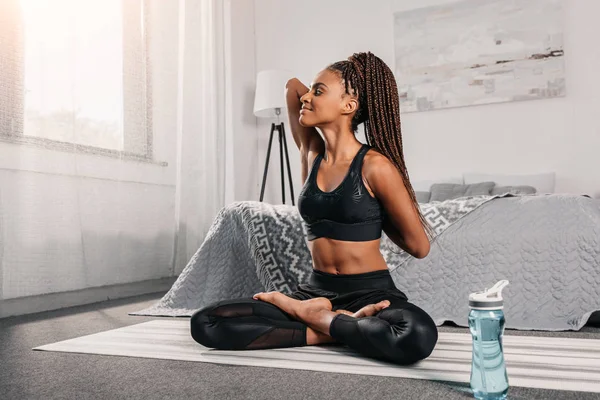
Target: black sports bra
[{"x": 348, "y": 212}]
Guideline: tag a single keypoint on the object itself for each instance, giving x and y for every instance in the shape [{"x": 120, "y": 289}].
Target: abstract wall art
[{"x": 479, "y": 52}]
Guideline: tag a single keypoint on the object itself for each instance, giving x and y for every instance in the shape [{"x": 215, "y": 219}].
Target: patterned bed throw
[{"x": 547, "y": 246}]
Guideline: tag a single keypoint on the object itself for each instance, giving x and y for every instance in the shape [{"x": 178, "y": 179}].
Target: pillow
[
  {"x": 524, "y": 189},
  {"x": 425, "y": 186},
  {"x": 543, "y": 183},
  {"x": 422, "y": 197},
  {"x": 449, "y": 191}
]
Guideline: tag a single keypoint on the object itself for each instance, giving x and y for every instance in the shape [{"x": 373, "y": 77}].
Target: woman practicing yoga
[{"x": 353, "y": 192}]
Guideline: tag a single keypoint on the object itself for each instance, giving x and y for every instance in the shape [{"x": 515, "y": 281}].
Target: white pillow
[
  {"x": 544, "y": 183},
  {"x": 425, "y": 186}
]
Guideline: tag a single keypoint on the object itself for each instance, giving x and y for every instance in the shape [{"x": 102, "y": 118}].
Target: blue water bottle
[{"x": 486, "y": 322}]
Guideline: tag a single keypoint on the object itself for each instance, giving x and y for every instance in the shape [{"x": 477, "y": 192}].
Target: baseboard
[{"x": 56, "y": 301}]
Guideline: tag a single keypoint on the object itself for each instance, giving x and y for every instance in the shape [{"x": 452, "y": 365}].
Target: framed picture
[{"x": 478, "y": 52}]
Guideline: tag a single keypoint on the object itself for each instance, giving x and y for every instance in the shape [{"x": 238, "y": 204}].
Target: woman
[{"x": 353, "y": 192}]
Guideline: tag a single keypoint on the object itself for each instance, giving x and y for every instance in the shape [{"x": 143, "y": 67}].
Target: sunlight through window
[{"x": 74, "y": 71}]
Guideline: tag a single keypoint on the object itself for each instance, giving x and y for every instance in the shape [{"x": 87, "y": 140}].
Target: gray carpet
[{"x": 28, "y": 374}]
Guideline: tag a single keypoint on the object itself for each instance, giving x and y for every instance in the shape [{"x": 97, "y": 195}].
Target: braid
[{"x": 374, "y": 84}]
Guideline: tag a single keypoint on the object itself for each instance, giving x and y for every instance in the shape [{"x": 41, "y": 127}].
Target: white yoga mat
[{"x": 537, "y": 362}]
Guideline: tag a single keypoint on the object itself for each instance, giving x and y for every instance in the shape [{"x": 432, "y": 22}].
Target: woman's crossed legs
[{"x": 402, "y": 332}]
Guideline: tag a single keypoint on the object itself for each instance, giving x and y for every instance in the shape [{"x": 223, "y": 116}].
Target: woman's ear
[{"x": 350, "y": 106}]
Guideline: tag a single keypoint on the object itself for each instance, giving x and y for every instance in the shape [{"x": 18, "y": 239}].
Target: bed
[{"x": 546, "y": 244}]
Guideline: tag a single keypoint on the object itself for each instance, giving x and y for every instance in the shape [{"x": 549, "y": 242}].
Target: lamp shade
[{"x": 270, "y": 92}]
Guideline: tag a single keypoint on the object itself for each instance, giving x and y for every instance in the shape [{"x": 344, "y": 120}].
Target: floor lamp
[{"x": 269, "y": 102}]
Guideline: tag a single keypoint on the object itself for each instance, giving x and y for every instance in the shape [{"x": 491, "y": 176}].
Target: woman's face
[{"x": 325, "y": 101}]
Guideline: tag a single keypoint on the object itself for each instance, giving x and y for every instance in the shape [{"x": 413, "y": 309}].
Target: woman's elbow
[{"x": 422, "y": 250}]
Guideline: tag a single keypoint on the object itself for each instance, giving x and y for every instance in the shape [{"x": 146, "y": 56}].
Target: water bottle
[{"x": 486, "y": 322}]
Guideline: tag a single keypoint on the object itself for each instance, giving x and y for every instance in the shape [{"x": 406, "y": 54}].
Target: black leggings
[{"x": 401, "y": 333}]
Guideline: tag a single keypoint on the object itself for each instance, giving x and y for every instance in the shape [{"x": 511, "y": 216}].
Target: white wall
[
  {"x": 243, "y": 79},
  {"x": 304, "y": 37},
  {"x": 125, "y": 230},
  {"x": 75, "y": 221},
  {"x": 561, "y": 135},
  {"x": 136, "y": 243}
]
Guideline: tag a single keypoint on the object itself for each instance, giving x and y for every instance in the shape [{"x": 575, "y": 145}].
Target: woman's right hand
[
  {"x": 296, "y": 87},
  {"x": 302, "y": 135},
  {"x": 307, "y": 138}
]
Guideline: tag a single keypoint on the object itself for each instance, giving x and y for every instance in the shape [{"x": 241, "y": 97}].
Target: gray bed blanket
[{"x": 547, "y": 246}]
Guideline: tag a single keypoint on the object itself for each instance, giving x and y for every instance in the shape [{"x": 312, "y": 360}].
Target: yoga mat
[{"x": 536, "y": 362}]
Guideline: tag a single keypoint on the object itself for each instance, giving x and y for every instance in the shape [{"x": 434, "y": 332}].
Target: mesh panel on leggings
[
  {"x": 278, "y": 337},
  {"x": 254, "y": 318},
  {"x": 232, "y": 310}
]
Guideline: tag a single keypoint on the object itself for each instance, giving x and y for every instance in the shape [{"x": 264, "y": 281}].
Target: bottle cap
[{"x": 488, "y": 299}]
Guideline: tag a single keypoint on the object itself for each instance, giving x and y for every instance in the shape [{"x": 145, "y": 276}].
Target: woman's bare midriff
[{"x": 343, "y": 257}]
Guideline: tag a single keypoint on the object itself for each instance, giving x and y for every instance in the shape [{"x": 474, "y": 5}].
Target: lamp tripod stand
[{"x": 282, "y": 145}]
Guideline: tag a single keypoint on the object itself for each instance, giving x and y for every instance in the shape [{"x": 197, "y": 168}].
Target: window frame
[{"x": 11, "y": 130}]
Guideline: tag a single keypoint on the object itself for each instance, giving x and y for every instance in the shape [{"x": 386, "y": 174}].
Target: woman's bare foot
[
  {"x": 366, "y": 311},
  {"x": 296, "y": 308},
  {"x": 371, "y": 309},
  {"x": 314, "y": 337},
  {"x": 316, "y": 313}
]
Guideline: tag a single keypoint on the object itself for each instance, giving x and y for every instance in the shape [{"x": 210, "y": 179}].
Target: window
[{"x": 77, "y": 75}]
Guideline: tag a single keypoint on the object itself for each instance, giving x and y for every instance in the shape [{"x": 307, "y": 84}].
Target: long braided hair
[{"x": 374, "y": 84}]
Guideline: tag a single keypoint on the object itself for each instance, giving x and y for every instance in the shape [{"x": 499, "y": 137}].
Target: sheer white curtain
[
  {"x": 203, "y": 150},
  {"x": 114, "y": 149}
]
